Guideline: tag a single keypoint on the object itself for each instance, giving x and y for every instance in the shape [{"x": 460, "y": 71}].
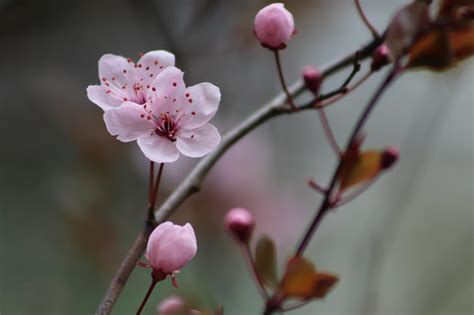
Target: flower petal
[
  {"x": 156, "y": 60},
  {"x": 158, "y": 149},
  {"x": 154, "y": 240},
  {"x": 98, "y": 96},
  {"x": 198, "y": 142},
  {"x": 114, "y": 68},
  {"x": 150, "y": 65},
  {"x": 128, "y": 122},
  {"x": 202, "y": 102},
  {"x": 167, "y": 90},
  {"x": 117, "y": 78}
]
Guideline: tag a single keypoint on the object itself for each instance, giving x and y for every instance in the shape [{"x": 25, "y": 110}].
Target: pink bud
[
  {"x": 312, "y": 78},
  {"x": 274, "y": 26},
  {"x": 380, "y": 58},
  {"x": 170, "y": 247},
  {"x": 389, "y": 157},
  {"x": 172, "y": 305},
  {"x": 240, "y": 223}
]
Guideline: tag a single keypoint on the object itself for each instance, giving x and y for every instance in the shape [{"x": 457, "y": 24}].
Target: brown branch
[{"x": 192, "y": 182}]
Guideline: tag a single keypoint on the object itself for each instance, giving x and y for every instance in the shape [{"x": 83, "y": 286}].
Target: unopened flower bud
[
  {"x": 274, "y": 26},
  {"x": 380, "y": 58},
  {"x": 240, "y": 223},
  {"x": 170, "y": 247},
  {"x": 389, "y": 157},
  {"x": 312, "y": 78},
  {"x": 172, "y": 305}
]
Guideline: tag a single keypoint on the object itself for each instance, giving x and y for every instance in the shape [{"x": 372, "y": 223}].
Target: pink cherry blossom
[
  {"x": 122, "y": 80},
  {"x": 173, "y": 120},
  {"x": 170, "y": 247},
  {"x": 274, "y": 26}
]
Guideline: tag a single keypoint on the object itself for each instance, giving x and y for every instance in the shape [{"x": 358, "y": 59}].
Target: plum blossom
[
  {"x": 170, "y": 247},
  {"x": 122, "y": 80},
  {"x": 274, "y": 26},
  {"x": 170, "y": 118}
]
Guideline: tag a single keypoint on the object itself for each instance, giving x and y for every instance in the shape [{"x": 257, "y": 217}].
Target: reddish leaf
[
  {"x": 324, "y": 282},
  {"x": 265, "y": 262},
  {"x": 442, "y": 48},
  {"x": 298, "y": 280},
  {"x": 301, "y": 280},
  {"x": 358, "y": 169}
]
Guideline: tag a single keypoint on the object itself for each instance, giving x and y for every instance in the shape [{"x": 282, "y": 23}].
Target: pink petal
[
  {"x": 198, "y": 142},
  {"x": 167, "y": 91},
  {"x": 201, "y": 104},
  {"x": 154, "y": 239},
  {"x": 158, "y": 149},
  {"x": 149, "y": 66},
  {"x": 154, "y": 62},
  {"x": 128, "y": 122},
  {"x": 114, "y": 68},
  {"x": 97, "y": 95}
]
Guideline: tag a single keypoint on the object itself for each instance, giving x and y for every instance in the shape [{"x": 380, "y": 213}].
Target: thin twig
[
  {"x": 192, "y": 182},
  {"x": 326, "y": 203},
  {"x": 366, "y": 21}
]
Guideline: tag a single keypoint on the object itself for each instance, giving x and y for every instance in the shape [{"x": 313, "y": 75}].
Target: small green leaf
[{"x": 265, "y": 261}]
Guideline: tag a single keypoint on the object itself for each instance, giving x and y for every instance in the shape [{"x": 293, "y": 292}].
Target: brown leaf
[
  {"x": 442, "y": 48},
  {"x": 298, "y": 280},
  {"x": 265, "y": 262},
  {"x": 358, "y": 169},
  {"x": 324, "y": 282},
  {"x": 301, "y": 280}
]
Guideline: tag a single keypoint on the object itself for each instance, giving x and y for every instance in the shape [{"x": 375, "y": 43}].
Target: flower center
[
  {"x": 166, "y": 127},
  {"x": 140, "y": 94}
]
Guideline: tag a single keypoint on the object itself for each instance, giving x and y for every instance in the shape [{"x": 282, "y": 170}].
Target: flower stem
[
  {"x": 251, "y": 265},
  {"x": 147, "y": 295},
  {"x": 154, "y": 192},
  {"x": 151, "y": 179},
  {"x": 366, "y": 21},
  {"x": 326, "y": 203},
  {"x": 283, "y": 83}
]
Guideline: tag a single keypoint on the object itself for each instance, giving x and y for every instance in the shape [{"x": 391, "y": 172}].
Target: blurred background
[{"x": 72, "y": 198}]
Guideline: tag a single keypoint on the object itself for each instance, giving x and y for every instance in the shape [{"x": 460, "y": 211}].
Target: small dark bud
[
  {"x": 389, "y": 157},
  {"x": 312, "y": 78},
  {"x": 380, "y": 58}
]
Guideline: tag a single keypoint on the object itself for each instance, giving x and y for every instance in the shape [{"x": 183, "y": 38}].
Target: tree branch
[{"x": 192, "y": 182}]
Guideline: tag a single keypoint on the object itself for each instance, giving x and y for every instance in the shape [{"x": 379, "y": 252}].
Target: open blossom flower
[
  {"x": 173, "y": 120},
  {"x": 123, "y": 80},
  {"x": 274, "y": 26},
  {"x": 171, "y": 247}
]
